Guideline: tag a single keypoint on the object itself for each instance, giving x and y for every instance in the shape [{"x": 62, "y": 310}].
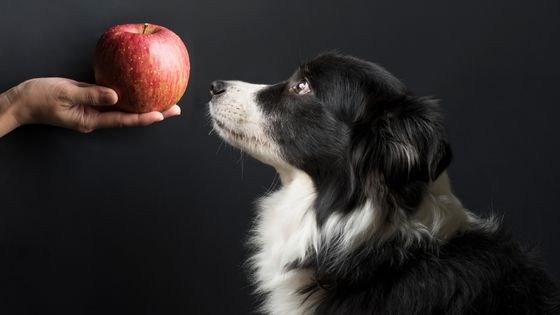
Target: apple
[{"x": 146, "y": 64}]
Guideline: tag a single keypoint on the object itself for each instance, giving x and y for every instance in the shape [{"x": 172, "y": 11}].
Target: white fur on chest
[{"x": 285, "y": 230}]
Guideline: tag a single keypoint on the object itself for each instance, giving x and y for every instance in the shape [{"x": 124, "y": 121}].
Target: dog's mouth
[{"x": 238, "y": 137}]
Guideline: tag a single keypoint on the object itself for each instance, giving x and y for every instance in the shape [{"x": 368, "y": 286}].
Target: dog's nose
[{"x": 217, "y": 87}]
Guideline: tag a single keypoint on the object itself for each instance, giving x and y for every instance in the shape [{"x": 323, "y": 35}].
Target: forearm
[{"x": 8, "y": 117}]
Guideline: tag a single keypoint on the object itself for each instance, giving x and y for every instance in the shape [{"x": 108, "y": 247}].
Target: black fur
[
  {"x": 474, "y": 273},
  {"x": 361, "y": 135}
]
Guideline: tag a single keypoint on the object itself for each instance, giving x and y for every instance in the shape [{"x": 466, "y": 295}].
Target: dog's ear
[{"x": 397, "y": 148}]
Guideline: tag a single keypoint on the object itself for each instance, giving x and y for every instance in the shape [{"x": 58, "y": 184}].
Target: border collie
[{"x": 365, "y": 221}]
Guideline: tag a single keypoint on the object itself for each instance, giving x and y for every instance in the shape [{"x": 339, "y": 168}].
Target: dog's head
[{"x": 349, "y": 124}]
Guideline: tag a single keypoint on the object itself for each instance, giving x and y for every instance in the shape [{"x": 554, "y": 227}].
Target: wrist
[{"x": 10, "y": 110}]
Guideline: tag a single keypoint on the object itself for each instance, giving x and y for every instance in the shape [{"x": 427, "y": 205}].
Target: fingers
[
  {"x": 79, "y": 93},
  {"x": 119, "y": 120},
  {"x": 113, "y": 119},
  {"x": 173, "y": 111}
]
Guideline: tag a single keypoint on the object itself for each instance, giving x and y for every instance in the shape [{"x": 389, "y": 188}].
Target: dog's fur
[{"x": 365, "y": 221}]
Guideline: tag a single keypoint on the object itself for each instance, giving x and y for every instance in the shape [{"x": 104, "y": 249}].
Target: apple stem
[{"x": 145, "y": 27}]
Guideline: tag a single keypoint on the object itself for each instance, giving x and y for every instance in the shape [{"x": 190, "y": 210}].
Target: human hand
[{"x": 69, "y": 104}]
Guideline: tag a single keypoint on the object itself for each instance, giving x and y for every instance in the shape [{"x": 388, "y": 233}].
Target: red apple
[{"x": 146, "y": 64}]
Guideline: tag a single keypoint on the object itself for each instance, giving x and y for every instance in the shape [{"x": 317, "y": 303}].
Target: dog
[{"x": 365, "y": 221}]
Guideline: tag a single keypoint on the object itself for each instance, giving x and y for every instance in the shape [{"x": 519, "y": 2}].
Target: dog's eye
[{"x": 300, "y": 88}]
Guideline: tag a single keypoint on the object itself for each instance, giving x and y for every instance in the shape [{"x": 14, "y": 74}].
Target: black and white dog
[{"x": 365, "y": 221}]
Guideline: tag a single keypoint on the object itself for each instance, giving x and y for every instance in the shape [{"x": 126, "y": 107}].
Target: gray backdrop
[{"x": 153, "y": 220}]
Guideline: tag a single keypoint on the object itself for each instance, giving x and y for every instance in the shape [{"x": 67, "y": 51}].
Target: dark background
[{"x": 153, "y": 220}]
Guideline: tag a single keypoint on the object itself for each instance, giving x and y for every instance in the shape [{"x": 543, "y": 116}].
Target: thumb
[{"x": 91, "y": 95}]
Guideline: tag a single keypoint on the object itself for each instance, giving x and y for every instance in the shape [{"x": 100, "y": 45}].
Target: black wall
[{"x": 153, "y": 220}]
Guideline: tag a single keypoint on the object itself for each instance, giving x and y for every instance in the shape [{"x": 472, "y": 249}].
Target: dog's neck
[
  {"x": 440, "y": 213},
  {"x": 287, "y": 174}
]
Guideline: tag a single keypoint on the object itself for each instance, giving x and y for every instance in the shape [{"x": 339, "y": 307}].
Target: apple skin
[{"x": 146, "y": 64}]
